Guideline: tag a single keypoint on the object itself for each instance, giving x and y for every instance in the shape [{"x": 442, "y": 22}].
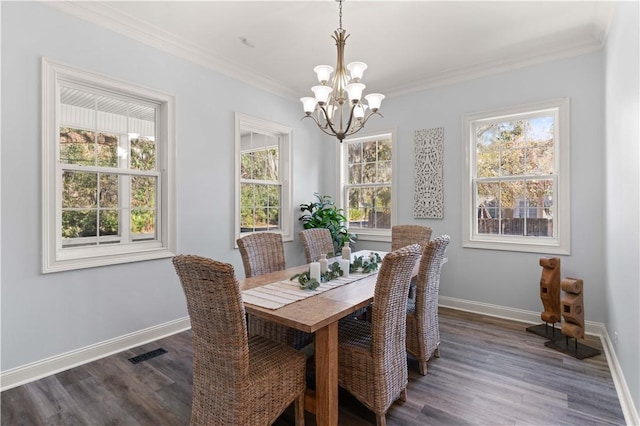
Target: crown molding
[{"x": 103, "y": 15}]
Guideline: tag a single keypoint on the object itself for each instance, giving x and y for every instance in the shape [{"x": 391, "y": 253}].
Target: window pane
[
  {"x": 354, "y": 153},
  {"x": 384, "y": 150},
  {"x": 143, "y": 154},
  {"x": 274, "y": 195},
  {"x": 143, "y": 221},
  {"x": 108, "y": 190},
  {"x": 511, "y": 193},
  {"x": 259, "y": 165},
  {"x": 369, "y": 151},
  {"x": 355, "y": 173},
  {"x": 79, "y": 223},
  {"x": 246, "y": 165},
  {"x": 246, "y": 219},
  {"x": 77, "y": 146},
  {"x": 540, "y": 157},
  {"x": 272, "y": 165},
  {"x": 384, "y": 172},
  {"x": 539, "y": 208},
  {"x": 370, "y": 207},
  {"x": 107, "y": 150},
  {"x": 369, "y": 173},
  {"x": 487, "y": 208},
  {"x": 109, "y": 222},
  {"x": 143, "y": 191},
  {"x": 274, "y": 218},
  {"x": 80, "y": 189}
]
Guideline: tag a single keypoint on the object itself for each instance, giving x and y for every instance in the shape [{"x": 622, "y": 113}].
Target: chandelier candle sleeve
[{"x": 337, "y": 107}]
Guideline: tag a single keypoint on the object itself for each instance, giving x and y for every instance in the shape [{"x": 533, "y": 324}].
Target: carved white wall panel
[{"x": 428, "y": 197}]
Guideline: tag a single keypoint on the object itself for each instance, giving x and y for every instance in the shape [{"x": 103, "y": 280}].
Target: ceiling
[{"x": 408, "y": 45}]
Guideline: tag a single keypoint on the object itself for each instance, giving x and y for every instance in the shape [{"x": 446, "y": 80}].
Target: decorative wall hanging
[{"x": 427, "y": 175}]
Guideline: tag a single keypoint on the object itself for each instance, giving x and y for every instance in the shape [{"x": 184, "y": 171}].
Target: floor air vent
[{"x": 147, "y": 355}]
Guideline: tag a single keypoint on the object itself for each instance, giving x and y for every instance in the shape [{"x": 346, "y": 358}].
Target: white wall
[
  {"x": 47, "y": 315},
  {"x": 510, "y": 279},
  {"x": 622, "y": 91}
]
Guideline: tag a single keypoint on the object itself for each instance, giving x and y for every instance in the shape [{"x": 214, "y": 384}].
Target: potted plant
[{"x": 323, "y": 213}]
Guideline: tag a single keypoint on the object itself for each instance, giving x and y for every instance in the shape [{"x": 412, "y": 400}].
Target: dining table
[{"x": 318, "y": 314}]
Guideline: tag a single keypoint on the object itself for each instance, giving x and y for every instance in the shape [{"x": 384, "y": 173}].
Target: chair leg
[
  {"x": 436, "y": 353},
  {"x": 403, "y": 395},
  {"x": 299, "y": 410},
  {"x": 381, "y": 419},
  {"x": 423, "y": 367}
]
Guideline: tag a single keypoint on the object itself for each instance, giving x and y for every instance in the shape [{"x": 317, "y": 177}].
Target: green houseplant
[{"x": 323, "y": 213}]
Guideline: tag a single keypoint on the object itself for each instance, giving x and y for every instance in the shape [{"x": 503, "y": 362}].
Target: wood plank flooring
[{"x": 491, "y": 372}]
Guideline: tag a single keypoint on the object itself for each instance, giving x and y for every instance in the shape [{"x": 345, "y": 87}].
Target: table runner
[{"x": 281, "y": 293}]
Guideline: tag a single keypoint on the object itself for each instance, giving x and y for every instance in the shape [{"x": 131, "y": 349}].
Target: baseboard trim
[
  {"x": 46, "y": 367},
  {"x": 592, "y": 328}
]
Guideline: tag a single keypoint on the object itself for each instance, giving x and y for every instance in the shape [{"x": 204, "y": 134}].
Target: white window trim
[
  {"x": 259, "y": 125},
  {"x": 561, "y": 243},
  {"x": 54, "y": 257},
  {"x": 380, "y": 235}
]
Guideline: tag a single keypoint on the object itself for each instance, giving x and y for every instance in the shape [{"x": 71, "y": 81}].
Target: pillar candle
[
  {"x": 344, "y": 265},
  {"x": 314, "y": 271}
]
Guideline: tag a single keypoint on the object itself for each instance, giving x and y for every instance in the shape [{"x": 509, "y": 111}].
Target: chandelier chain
[{"x": 340, "y": 14}]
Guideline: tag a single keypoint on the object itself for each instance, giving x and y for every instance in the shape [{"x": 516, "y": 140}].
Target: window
[
  {"x": 263, "y": 187},
  {"x": 107, "y": 171},
  {"x": 516, "y": 185},
  {"x": 367, "y": 185}
]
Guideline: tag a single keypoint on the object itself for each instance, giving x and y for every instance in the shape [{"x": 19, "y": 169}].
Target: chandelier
[{"x": 336, "y": 107}]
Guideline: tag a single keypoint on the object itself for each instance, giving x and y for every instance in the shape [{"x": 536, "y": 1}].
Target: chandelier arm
[
  {"x": 320, "y": 126},
  {"x": 330, "y": 124}
]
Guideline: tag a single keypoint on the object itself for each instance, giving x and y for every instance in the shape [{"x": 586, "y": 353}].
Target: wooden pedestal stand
[
  {"x": 550, "y": 296},
  {"x": 573, "y": 326}
]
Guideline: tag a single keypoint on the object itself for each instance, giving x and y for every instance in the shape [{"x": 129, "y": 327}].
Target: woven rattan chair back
[
  {"x": 423, "y": 330},
  {"x": 404, "y": 235},
  {"x": 262, "y": 252},
  {"x": 226, "y": 388},
  {"x": 316, "y": 241}
]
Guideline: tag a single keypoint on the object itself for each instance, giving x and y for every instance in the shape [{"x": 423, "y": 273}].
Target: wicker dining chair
[
  {"x": 372, "y": 358},
  {"x": 237, "y": 380},
  {"x": 261, "y": 253},
  {"x": 423, "y": 330},
  {"x": 404, "y": 235},
  {"x": 316, "y": 241}
]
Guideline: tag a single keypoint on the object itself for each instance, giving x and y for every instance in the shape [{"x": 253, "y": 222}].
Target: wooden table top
[{"x": 314, "y": 312}]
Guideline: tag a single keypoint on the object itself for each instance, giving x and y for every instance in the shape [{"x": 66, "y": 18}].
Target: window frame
[
  {"x": 367, "y": 234},
  {"x": 56, "y": 258},
  {"x": 285, "y": 167},
  {"x": 561, "y": 242}
]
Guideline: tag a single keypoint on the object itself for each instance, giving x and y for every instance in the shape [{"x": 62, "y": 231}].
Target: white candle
[
  {"x": 314, "y": 271},
  {"x": 344, "y": 265}
]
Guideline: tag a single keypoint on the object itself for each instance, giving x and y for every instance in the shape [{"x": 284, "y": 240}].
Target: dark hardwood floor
[{"x": 491, "y": 372}]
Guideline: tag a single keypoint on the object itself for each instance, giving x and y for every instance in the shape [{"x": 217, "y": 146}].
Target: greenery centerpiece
[
  {"x": 323, "y": 213},
  {"x": 365, "y": 264}
]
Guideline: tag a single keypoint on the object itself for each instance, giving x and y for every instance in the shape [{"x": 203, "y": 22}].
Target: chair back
[
  {"x": 316, "y": 241},
  {"x": 428, "y": 279},
  {"x": 219, "y": 332},
  {"x": 388, "y": 319},
  {"x": 404, "y": 235},
  {"x": 262, "y": 252}
]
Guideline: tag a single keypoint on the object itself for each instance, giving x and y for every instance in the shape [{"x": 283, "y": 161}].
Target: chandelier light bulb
[
  {"x": 308, "y": 104},
  {"x": 374, "y": 100},
  {"x": 355, "y": 91},
  {"x": 356, "y": 69},
  {"x": 359, "y": 110},
  {"x": 324, "y": 73},
  {"x": 322, "y": 93}
]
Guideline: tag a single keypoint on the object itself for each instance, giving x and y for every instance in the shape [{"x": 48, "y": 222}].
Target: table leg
[{"x": 326, "y": 343}]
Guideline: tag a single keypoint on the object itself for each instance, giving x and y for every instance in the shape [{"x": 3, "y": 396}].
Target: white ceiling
[{"x": 408, "y": 45}]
